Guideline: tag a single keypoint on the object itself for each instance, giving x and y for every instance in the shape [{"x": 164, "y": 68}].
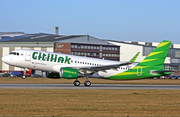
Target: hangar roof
[
  {"x": 39, "y": 37},
  {"x": 44, "y": 37}
]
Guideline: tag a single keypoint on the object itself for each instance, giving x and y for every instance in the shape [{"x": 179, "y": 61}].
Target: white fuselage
[{"x": 49, "y": 61}]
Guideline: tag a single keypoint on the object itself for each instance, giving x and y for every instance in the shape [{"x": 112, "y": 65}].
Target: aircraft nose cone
[{"x": 4, "y": 59}]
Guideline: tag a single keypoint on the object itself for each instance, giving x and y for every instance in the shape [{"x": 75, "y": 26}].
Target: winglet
[{"x": 134, "y": 58}]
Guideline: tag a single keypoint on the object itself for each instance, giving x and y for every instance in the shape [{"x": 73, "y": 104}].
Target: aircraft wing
[{"x": 93, "y": 69}]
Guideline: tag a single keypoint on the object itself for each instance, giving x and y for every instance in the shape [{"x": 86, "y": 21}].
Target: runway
[{"x": 93, "y": 86}]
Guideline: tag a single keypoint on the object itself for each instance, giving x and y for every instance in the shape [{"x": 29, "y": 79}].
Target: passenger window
[{"x": 18, "y": 54}]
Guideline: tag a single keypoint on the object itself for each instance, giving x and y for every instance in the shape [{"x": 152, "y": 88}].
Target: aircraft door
[
  {"x": 139, "y": 71},
  {"x": 28, "y": 56}
]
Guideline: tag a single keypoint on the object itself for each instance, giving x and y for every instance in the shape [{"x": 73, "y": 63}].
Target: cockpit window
[{"x": 15, "y": 53}]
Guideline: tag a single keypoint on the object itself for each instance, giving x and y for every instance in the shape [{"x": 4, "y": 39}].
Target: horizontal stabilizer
[{"x": 165, "y": 71}]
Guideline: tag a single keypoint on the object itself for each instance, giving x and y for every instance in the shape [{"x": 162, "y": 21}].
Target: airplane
[{"x": 73, "y": 67}]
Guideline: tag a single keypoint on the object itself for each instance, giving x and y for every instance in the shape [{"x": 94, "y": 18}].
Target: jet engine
[{"x": 68, "y": 73}]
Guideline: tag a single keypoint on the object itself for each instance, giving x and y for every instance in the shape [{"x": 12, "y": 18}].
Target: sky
[{"x": 120, "y": 20}]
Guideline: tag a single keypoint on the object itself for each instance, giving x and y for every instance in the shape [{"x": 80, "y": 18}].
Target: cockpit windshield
[{"x": 15, "y": 53}]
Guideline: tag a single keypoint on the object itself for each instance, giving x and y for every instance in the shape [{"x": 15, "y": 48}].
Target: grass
[
  {"x": 29, "y": 80},
  {"x": 64, "y": 102}
]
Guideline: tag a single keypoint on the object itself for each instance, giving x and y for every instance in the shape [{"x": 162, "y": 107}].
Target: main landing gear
[
  {"x": 76, "y": 83},
  {"x": 86, "y": 83}
]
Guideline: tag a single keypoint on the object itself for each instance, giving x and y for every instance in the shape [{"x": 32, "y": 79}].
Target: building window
[
  {"x": 60, "y": 46},
  {"x": 75, "y": 46},
  {"x": 78, "y": 46},
  {"x": 72, "y": 46},
  {"x": 85, "y": 47},
  {"x": 91, "y": 47},
  {"x": 112, "y": 48},
  {"x": 109, "y": 48},
  {"x": 82, "y": 47},
  {"x": 88, "y": 47},
  {"x": 104, "y": 48},
  {"x": 133, "y": 42},
  {"x": 98, "y": 48},
  {"x": 147, "y": 50},
  {"x": 115, "y": 48},
  {"x": 148, "y": 43},
  {"x": 100, "y": 55},
  {"x": 94, "y": 47}
]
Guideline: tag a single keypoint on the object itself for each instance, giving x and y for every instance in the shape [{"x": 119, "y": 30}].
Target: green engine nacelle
[{"x": 68, "y": 73}]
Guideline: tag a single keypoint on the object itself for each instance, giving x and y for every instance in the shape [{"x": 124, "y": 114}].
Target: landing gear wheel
[
  {"x": 87, "y": 83},
  {"x": 76, "y": 83},
  {"x": 23, "y": 77}
]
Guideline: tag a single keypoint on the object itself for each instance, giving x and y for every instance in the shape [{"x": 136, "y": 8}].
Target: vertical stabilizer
[{"x": 157, "y": 57}]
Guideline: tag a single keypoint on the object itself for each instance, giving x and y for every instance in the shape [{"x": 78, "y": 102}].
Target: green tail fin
[
  {"x": 157, "y": 57},
  {"x": 134, "y": 58}
]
